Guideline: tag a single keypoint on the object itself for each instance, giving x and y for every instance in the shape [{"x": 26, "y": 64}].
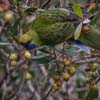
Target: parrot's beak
[{"x": 23, "y": 41}]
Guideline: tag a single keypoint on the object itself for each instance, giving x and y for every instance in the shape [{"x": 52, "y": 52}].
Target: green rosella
[
  {"x": 49, "y": 28},
  {"x": 56, "y": 26}
]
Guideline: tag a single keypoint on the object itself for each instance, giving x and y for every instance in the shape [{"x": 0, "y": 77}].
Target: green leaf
[
  {"x": 78, "y": 10},
  {"x": 92, "y": 10},
  {"x": 42, "y": 58},
  {"x": 95, "y": 19},
  {"x": 78, "y": 31}
]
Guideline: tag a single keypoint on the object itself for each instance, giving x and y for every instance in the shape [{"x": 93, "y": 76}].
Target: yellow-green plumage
[{"x": 49, "y": 28}]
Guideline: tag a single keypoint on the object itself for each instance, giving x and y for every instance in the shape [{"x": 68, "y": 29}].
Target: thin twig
[
  {"x": 45, "y": 97},
  {"x": 19, "y": 90},
  {"x": 45, "y": 3},
  {"x": 98, "y": 79},
  {"x": 90, "y": 17}
]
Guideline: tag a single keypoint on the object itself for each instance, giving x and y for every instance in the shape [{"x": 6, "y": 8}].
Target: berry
[
  {"x": 68, "y": 62},
  {"x": 94, "y": 87},
  {"x": 27, "y": 55},
  {"x": 28, "y": 76},
  {"x": 85, "y": 28},
  {"x": 94, "y": 67},
  {"x": 13, "y": 63},
  {"x": 56, "y": 77},
  {"x": 72, "y": 71},
  {"x": 13, "y": 56},
  {"x": 66, "y": 76},
  {"x": 56, "y": 87}
]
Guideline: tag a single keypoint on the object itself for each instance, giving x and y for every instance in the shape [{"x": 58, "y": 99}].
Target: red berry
[{"x": 85, "y": 28}]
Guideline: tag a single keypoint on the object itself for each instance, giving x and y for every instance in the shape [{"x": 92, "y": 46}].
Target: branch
[
  {"x": 49, "y": 91},
  {"x": 45, "y": 3}
]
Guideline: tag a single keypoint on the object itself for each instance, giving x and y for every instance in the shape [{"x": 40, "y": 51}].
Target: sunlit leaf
[
  {"x": 78, "y": 10},
  {"x": 78, "y": 31}
]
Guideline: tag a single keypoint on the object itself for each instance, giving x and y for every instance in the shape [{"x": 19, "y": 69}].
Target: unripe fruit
[
  {"x": 66, "y": 76},
  {"x": 94, "y": 66},
  {"x": 13, "y": 56},
  {"x": 56, "y": 87},
  {"x": 8, "y": 16},
  {"x": 72, "y": 71},
  {"x": 56, "y": 77},
  {"x": 94, "y": 87},
  {"x": 85, "y": 28},
  {"x": 68, "y": 62},
  {"x": 28, "y": 76},
  {"x": 27, "y": 55},
  {"x": 13, "y": 63}
]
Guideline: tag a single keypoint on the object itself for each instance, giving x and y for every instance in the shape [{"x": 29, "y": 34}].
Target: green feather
[{"x": 50, "y": 28}]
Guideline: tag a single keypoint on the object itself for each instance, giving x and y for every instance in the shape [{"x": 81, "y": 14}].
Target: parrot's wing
[
  {"x": 56, "y": 33},
  {"x": 51, "y": 17}
]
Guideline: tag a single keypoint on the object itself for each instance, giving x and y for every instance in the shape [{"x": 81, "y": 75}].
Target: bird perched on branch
[{"x": 55, "y": 26}]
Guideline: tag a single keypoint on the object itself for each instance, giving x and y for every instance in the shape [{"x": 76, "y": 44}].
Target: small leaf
[
  {"x": 3, "y": 43},
  {"x": 92, "y": 10},
  {"x": 78, "y": 31},
  {"x": 95, "y": 19},
  {"x": 42, "y": 58},
  {"x": 78, "y": 10}
]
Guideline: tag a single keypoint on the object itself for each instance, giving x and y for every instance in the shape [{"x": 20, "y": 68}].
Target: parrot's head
[{"x": 29, "y": 40}]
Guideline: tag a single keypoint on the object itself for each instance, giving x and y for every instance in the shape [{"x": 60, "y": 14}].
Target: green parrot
[
  {"x": 49, "y": 28},
  {"x": 55, "y": 26}
]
